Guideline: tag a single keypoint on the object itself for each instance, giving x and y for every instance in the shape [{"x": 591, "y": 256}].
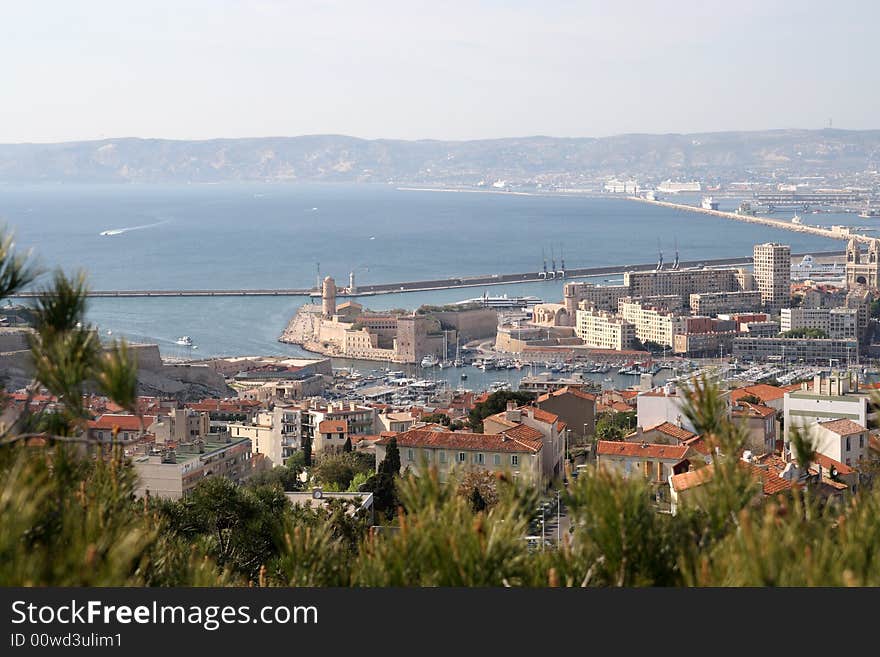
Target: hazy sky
[{"x": 443, "y": 70}]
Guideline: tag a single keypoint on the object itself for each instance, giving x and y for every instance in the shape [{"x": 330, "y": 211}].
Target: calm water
[{"x": 253, "y": 236}]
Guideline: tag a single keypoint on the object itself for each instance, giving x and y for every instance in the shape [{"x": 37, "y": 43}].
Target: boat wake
[{"x": 122, "y": 231}]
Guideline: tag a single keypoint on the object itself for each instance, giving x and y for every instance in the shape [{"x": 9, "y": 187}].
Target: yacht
[
  {"x": 796, "y": 219},
  {"x": 184, "y": 340},
  {"x": 430, "y": 361}
]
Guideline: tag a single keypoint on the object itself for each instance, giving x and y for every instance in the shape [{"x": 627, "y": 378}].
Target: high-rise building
[{"x": 773, "y": 274}]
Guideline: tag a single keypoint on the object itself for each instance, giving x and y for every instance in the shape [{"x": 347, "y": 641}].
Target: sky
[{"x": 432, "y": 70}]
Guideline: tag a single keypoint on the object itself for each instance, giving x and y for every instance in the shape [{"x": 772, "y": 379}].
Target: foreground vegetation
[{"x": 69, "y": 515}]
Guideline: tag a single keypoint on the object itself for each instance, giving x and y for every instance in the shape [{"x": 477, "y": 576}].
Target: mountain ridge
[{"x": 344, "y": 158}]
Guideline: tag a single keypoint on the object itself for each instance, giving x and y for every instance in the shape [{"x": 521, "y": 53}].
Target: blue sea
[{"x": 276, "y": 236}]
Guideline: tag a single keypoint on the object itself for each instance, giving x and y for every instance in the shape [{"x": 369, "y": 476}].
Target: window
[
  {"x": 427, "y": 455},
  {"x": 442, "y": 457},
  {"x": 847, "y": 443},
  {"x": 479, "y": 459},
  {"x": 462, "y": 457},
  {"x": 514, "y": 459},
  {"x": 497, "y": 460},
  {"x": 409, "y": 455},
  {"x": 861, "y": 442}
]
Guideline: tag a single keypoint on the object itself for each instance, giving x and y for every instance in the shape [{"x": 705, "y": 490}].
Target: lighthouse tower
[
  {"x": 328, "y": 297},
  {"x": 351, "y": 287}
]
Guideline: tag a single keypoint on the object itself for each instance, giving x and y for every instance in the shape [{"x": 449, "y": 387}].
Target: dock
[
  {"x": 435, "y": 284},
  {"x": 765, "y": 221}
]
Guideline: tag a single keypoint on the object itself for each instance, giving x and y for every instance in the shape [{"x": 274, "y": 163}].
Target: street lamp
[{"x": 558, "y": 518}]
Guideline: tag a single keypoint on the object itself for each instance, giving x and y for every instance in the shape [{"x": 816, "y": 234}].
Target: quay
[
  {"x": 441, "y": 283},
  {"x": 752, "y": 219}
]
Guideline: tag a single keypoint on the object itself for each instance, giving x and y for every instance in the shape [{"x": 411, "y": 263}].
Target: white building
[
  {"x": 666, "y": 404},
  {"x": 276, "y": 434},
  {"x": 599, "y": 328},
  {"x": 652, "y": 324},
  {"x": 829, "y": 398},
  {"x": 837, "y": 323},
  {"x": 843, "y": 440}
]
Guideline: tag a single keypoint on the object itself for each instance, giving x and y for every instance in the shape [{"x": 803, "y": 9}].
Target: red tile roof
[
  {"x": 566, "y": 391},
  {"x": 672, "y": 430},
  {"x": 524, "y": 432},
  {"x": 692, "y": 479},
  {"x": 645, "y": 450},
  {"x": 123, "y": 422},
  {"x": 762, "y": 391},
  {"x": 333, "y": 426},
  {"x": 480, "y": 442},
  {"x": 827, "y": 463},
  {"x": 745, "y": 409},
  {"x": 843, "y": 427}
]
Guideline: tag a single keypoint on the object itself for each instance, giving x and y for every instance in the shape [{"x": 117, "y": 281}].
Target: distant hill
[{"x": 349, "y": 159}]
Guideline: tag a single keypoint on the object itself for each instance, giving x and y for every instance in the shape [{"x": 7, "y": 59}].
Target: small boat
[
  {"x": 430, "y": 361},
  {"x": 184, "y": 340},
  {"x": 464, "y": 376}
]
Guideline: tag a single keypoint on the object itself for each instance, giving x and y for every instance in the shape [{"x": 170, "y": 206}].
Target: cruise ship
[
  {"x": 502, "y": 301},
  {"x": 809, "y": 268}
]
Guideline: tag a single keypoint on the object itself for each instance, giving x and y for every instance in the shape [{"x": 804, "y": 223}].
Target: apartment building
[
  {"x": 809, "y": 350},
  {"x": 603, "y": 329},
  {"x": 714, "y": 303},
  {"x": 174, "y": 473},
  {"x": 839, "y": 323},
  {"x": 652, "y": 324},
  {"x": 772, "y": 272},
  {"x": 275, "y": 434}
]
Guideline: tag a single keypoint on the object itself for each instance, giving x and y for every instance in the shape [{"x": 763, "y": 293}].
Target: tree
[
  {"x": 307, "y": 451},
  {"x": 437, "y": 418},
  {"x": 383, "y": 483},
  {"x": 347, "y": 446},
  {"x": 496, "y": 403},
  {"x": 614, "y": 426}
]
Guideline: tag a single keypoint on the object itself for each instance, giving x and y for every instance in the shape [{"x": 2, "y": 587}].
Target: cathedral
[{"x": 863, "y": 269}]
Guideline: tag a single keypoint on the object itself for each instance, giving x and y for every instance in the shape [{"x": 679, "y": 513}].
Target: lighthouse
[{"x": 328, "y": 297}]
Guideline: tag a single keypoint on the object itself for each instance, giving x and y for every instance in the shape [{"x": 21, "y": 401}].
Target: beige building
[
  {"x": 600, "y": 328},
  {"x": 181, "y": 425},
  {"x": 772, "y": 272},
  {"x": 275, "y": 434},
  {"x": 714, "y": 303},
  {"x": 652, "y": 324},
  {"x": 449, "y": 452},
  {"x": 838, "y": 323},
  {"x": 174, "y": 473},
  {"x": 330, "y": 437}
]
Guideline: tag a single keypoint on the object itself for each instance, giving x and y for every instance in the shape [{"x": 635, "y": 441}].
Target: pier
[
  {"x": 752, "y": 219},
  {"x": 440, "y": 283}
]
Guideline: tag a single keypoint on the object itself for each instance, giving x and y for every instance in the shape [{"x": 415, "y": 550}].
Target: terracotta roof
[
  {"x": 827, "y": 462},
  {"x": 616, "y": 407},
  {"x": 672, "y": 430},
  {"x": 646, "y": 450},
  {"x": 771, "y": 482},
  {"x": 479, "y": 442},
  {"x": 123, "y": 422},
  {"x": 524, "y": 432},
  {"x": 333, "y": 426},
  {"x": 742, "y": 409},
  {"x": 843, "y": 427},
  {"x": 762, "y": 391},
  {"x": 692, "y": 479},
  {"x": 567, "y": 390},
  {"x": 540, "y": 414}
]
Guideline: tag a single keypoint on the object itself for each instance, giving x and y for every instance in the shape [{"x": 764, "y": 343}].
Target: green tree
[
  {"x": 307, "y": 451},
  {"x": 495, "y": 403},
  {"x": 346, "y": 447}
]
